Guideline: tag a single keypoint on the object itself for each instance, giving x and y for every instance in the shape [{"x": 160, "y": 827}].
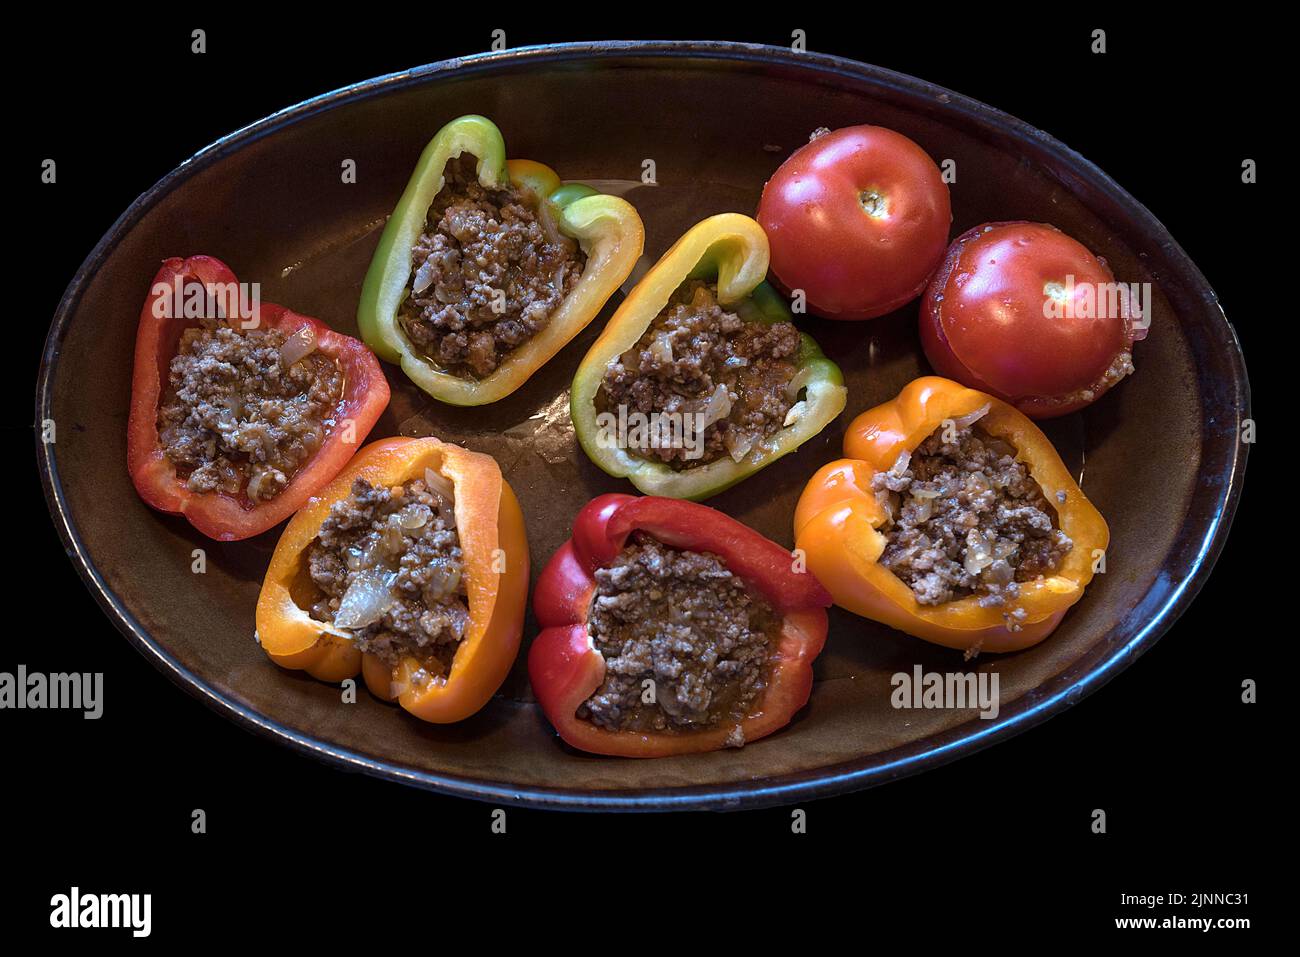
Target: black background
[{"x": 994, "y": 843}]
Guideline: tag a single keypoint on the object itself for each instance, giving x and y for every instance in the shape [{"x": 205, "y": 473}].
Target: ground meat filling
[
  {"x": 698, "y": 357},
  {"x": 234, "y": 417},
  {"x": 683, "y": 621},
  {"x": 388, "y": 564},
  {"x": 487, "y": 274},
  {"x": 1120, "y": 366},
  {"x": 968, "y": 519}
]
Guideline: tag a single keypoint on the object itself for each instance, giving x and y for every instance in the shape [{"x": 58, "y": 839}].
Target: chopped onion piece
[
  {"x": 736, "y": 362},
  {"x": 394, "y": 542},
  {"x": 924, "y": 492},
  {"x": 301, "y": 343},
  {"x": 1001, "y": 572},
  {"x": 254, "y": 487},
  {"x": 414, "y": 517},
  {"x": 552, "y": 232},
  {"x": 797, "y": 382},
  {"x": 365, "y": 601},
  {"x": 901, "y": 463},
  {"x": 370, "y": 557},
  {"x": 440, "y": 486},
  {"x": 970, "y": 418},
  {"x": 423, "y": 276},
  {"x": 719, "y": 406},
  {"x": 550, "y": 227},
  {"x": 979, "y": 555},
  {"x": 661, "y": 348},
  {"x": 443, "y": 582},
  {"x": 738, "y": 443}
]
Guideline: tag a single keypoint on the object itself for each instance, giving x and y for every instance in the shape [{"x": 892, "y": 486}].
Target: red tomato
[
  {"x": 858, "y": 219},
  {"x": 1025, "y": 313}
]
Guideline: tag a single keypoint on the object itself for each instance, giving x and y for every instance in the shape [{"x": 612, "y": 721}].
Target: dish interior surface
[{"x": 1156, "y": 454}]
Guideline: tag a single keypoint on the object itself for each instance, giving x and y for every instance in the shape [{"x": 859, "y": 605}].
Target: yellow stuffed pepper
[
  {"x": 951, "y": 518},
  {"x": 410, "y": 568}
]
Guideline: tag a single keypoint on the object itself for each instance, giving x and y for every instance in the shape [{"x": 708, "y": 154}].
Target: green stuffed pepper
[
  {"x": 488, "y": 267},
  {"x": 700, "y": 379}
]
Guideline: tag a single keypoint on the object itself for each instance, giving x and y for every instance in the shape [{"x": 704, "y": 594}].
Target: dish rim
[{"x": 1024, "y": 713}]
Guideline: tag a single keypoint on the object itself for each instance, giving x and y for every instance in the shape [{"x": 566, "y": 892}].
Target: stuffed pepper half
[
  {"x": 953, "y": 519},
  {"x": 700, "y": 378},
  {"x": 240, "y": 410},
  {"x": 412, "y": 568},
  {"x": 487, "y": 267},
  {"x": 670, "y": 628}
]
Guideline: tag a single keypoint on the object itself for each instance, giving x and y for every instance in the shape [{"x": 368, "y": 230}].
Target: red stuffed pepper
[
  {"x": 670, "y": 628},
  {"x": 240, "y": 410}
]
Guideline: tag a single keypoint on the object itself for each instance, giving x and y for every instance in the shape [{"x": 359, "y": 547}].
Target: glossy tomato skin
[
  {"x": 984, "y": 324},
  {"x": 858, "y": 219}
]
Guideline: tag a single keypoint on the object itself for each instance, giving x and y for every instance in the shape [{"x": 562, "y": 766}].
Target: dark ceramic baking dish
[{"x": 1158, "y": 455}]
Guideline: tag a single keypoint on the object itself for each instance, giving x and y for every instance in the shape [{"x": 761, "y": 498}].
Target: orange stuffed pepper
[
  {"x": 951, "y": 518},
  {"x": 410, "y": 568}
]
